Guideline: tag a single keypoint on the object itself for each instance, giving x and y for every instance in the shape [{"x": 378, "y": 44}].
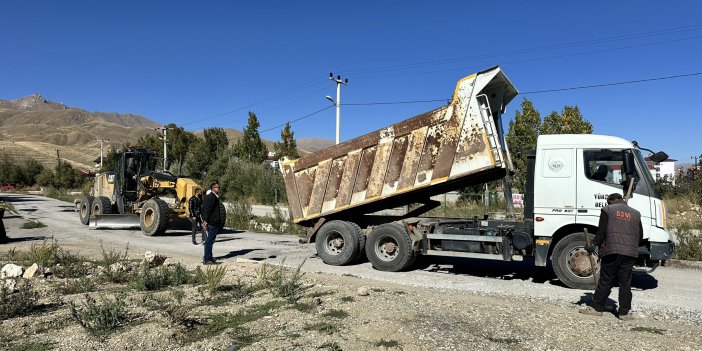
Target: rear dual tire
[
  {"x": 340, "y": 243},
  {"x": 389, "y": 248}
]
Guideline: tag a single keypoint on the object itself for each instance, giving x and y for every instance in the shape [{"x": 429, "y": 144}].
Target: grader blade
[{"x": 115, "y": 221}]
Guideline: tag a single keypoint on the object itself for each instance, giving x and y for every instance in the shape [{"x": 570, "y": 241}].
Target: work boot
[
  {"x": 609, "y": 308},
  {"x": 589, "y": 310},
  {"x": 625, "y": 317}
]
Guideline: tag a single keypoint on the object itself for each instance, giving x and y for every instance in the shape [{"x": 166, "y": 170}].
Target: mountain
[{"x": 33, "y": 126}]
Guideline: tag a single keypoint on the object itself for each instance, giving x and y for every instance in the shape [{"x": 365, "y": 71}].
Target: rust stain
[
  {"x": 380, "y": 165},
  {"x": 320, "y": 185},
  {"x": 293, "y": 197},
  {"x": 364, "y": 169},
  {"x": 335, "y": 175},
  {"x": 348, "y": 178},
  {"x": 397, "y": 159},
  {"x": 305, "y": 180}
]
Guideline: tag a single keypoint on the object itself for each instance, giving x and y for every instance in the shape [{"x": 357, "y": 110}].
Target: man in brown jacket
[{"x": 618, "y": 236}]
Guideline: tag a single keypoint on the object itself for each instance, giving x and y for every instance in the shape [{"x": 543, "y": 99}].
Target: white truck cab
[{"x": 572, "y": 176}]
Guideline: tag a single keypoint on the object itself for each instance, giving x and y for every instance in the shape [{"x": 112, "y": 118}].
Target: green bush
[
  {"x": 77, "y": 286},
  {"x": 689, "y": 246},
  {"x": 247, "y": 180},
  {"x": 22, "y": 302},
  {"x": 99, "y": 319},
  {"x": 238, "y": 215},
  {"x": 212, "y": 277},
  {"x": 157, "y": 278}
]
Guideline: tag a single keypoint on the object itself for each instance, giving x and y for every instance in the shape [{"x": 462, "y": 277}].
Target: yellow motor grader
[{"x": 136, "y": 195}]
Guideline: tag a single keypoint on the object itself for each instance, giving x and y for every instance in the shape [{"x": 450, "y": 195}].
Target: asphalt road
[{"x": 668, "y": 289}]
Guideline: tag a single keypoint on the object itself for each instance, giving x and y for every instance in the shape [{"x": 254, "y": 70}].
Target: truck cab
[{"x": 572, "y": 177}]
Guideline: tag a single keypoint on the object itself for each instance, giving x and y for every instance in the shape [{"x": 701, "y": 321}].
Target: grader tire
[
  {"x": 101, "y": 206},
  {"x": 154, "y": 217},
  {"x": 84, "y": 209}
]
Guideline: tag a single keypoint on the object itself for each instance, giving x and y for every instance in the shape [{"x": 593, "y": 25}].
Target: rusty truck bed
[{"x": 445, "y": 149}]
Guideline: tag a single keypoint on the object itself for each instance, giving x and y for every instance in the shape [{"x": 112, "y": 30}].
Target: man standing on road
[
  {"x": 618, "y": 237},
  {"x": 194, "y": 205},
  {"x": 213, "y": 217}
]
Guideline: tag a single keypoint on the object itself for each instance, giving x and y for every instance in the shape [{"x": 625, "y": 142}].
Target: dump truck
[
  {"x": 337, "y": 193},
  {"x": 136, "y": 195}
]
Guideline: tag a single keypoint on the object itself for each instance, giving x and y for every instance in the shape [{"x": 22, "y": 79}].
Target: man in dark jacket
[
  {"x": 618, "y": 236},
  {"x": 194, "y": 205},
  {"x": 213, "y": 217}
]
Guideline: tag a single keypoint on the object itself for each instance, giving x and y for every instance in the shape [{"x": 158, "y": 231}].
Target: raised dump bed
[{"x": 442, "y": 150}]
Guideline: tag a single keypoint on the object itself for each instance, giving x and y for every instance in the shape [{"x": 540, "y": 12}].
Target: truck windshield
[{"x": 646, "y": 174}]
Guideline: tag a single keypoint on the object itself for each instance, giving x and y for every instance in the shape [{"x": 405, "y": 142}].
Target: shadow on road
[
  {"x": 20, "y": 199},
  {"x": 586, "y": 299},
  {"x": 236, "y": 253},
  {"x": 26, "y": 238}
]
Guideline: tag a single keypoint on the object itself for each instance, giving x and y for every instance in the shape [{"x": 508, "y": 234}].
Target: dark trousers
[
  {"x": 212, "y": 232},
  {"x": 196, "y": 221},
  {"x": 614, "y": 267}
]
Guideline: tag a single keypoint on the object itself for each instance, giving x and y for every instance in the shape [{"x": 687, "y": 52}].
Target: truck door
[
  {"x": 600, "y": 174},
  {"x": 554, "y": 190}
]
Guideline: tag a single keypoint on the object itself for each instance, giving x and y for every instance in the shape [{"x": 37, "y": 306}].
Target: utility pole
[
  {"x": 101, "y": 146},
  {"x": 338, "y": 82},
  {"x": 58, "y": 157},
  {"x": 165, "y": 144}
]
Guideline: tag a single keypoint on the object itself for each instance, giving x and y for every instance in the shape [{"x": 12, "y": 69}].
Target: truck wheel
[
  {"x": 356, "y": 229},
  {"x": 84, "y": 209},
  {"x": 337, "y": 243},
  {"x": 389, "y": 248},
  {"x": 154, "y": 217},
  {"x": 101, "y": 206},
  {"x": 571, "y": 262}
]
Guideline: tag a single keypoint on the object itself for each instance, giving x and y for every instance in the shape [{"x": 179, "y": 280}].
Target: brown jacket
[{"x": 620, "y": 230}]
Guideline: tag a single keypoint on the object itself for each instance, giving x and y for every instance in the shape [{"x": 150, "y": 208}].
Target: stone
[
  {"x": 317, "y": 301},
  {"x": 149, "y": 256},
  {"x": 11, "y": 270},
  {"x": 31, "y": 271},
  {"x": 362, "y": 291},
  {"x": 232, "y": 348},
  {"x": 10, "y": 285}
]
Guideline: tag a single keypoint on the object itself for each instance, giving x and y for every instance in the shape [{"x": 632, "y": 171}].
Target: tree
[
  {"x": 569, "y": 121},
  {"x": 204, "y": 152},
  {"x": 178, "y": 145},
  {"x": 521, "y": 138},
  {"x": 287, "y": 147},
  {"x": 250, "y": 146}
]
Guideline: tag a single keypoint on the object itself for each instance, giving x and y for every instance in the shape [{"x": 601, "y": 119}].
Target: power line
[
  {"x": 297, "y": 119},
  {"x": 530, "y": 50},
  {"x": 611, "y": 84},
  {"x": 529, "y": 92}
]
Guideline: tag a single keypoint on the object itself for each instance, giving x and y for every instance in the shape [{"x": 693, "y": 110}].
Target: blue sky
[{"x": 193, "y": 62}]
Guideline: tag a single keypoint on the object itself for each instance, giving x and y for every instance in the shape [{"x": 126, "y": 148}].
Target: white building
[{"x": 662, "y": 170}]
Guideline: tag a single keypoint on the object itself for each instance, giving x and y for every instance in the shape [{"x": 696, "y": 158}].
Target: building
[{"x": 663, "y": 170}]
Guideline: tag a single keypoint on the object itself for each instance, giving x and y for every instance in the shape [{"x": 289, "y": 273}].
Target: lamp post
[{"x": 337, "y": 102}]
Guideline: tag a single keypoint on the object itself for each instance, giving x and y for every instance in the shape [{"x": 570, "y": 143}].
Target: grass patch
[
  {"x": 33, "y": 225},
  {"x": 47, "y": 254},
  {"x": 322, "y": 293},
  {"x": 399, "y": 292},
  {"x": 33, "y": 346},
  {"x": 333, "y": 313},
  {"x": 330, "y": 345},
  {"x": 347, "y": 299},
  {"x": 322, "y": 327},
  {"x": 387, "y": 343},
  {"x": 377, "y": 289},
  {"x": 211, "y": 277},
  {"x": 113, "y": 256},
  {"x": 282, "y": 282},
  {"x": 7, "y": 206},
  {"x": 77, "y": 286},
  {"x": 99, "y": 319},
  {"x": 23, "y": 302},
  {"x": 218, "y": 323},
  {"x": 59, "y": 194},
  {"x": 305, "y": 307},
  {"x": 651, "y": 330}
]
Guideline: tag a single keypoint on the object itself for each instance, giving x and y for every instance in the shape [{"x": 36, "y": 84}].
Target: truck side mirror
[{"x": 659, "y": 157}]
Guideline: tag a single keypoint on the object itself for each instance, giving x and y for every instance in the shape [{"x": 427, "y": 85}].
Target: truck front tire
[
  {"x": 337, "y": 243},
  {"x": 389, "y": 248},
  {"x": 154, "y": 217},
  {"x": 571, "y": 263}
]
